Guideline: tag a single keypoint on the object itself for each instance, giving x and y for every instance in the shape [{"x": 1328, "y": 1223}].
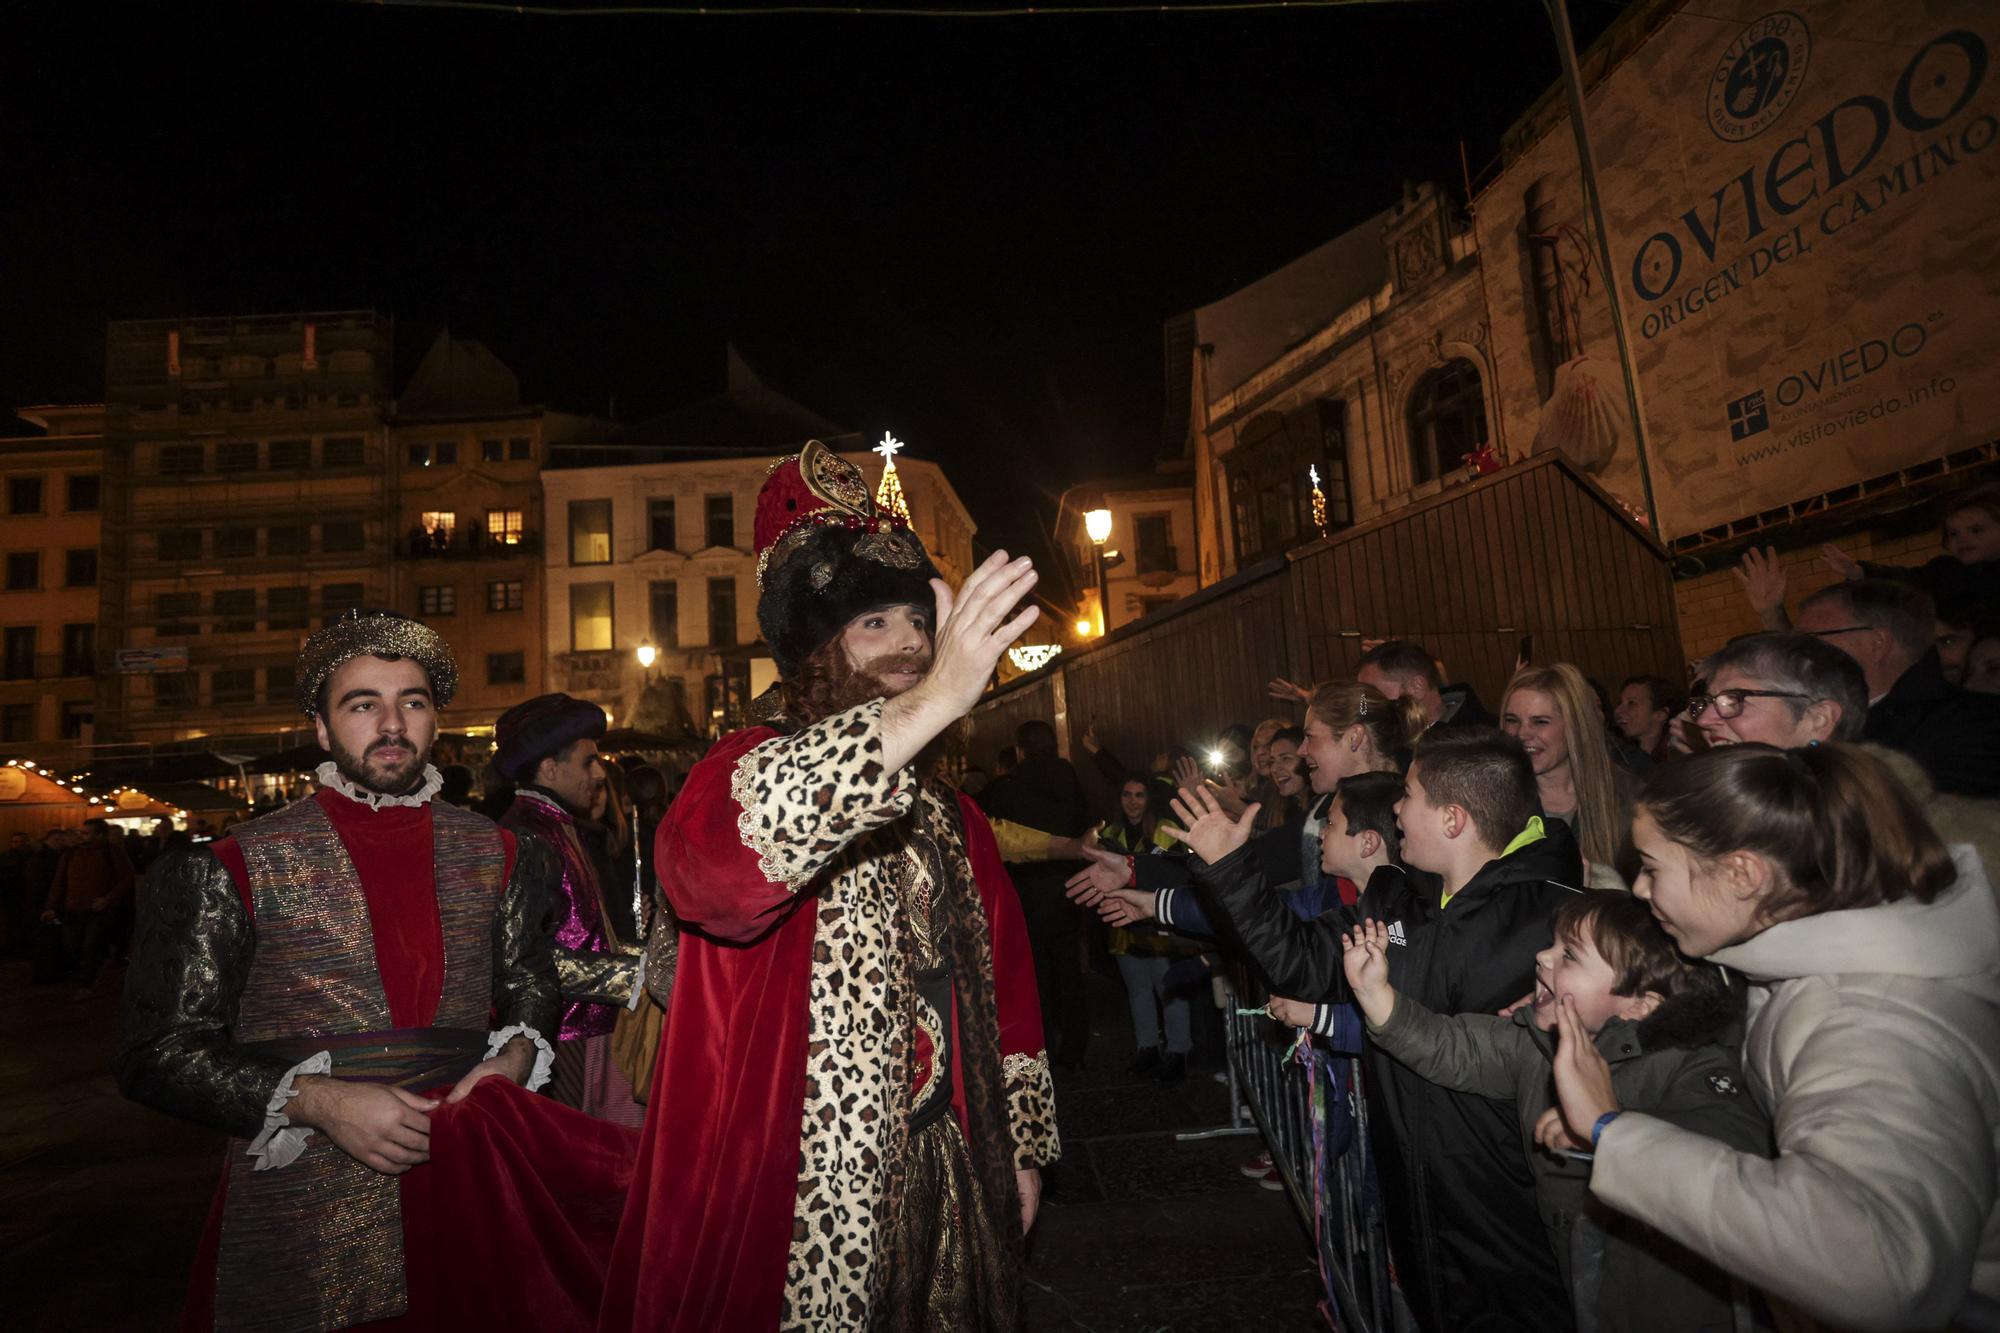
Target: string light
[
  {"x": 889, "y": 494},
  {"x": 1319, "y": 500}
]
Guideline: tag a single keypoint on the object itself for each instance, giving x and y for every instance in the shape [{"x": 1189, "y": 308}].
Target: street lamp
[
  {"x": 648, "y": 654},
  {"x": 1097, "y": 524}
]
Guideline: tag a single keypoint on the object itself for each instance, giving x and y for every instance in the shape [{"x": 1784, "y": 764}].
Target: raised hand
[
  {"x": 975, "y": 627},
  {"x": 1206, "y": 827},
  {"x": 1842, "y": 563},
  {"x": 1365, "y": 958},
  {"x": 1583, "y": 1079},
  {"x": 1285, "y": 691},
  {"x": 1187, "y": 773},
  {"x": 1764, "y": 581}
]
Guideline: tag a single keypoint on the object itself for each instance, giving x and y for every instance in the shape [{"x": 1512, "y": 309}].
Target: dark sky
[{"x": 967, "y": 231}]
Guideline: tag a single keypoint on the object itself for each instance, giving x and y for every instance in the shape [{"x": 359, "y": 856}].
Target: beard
[
  {"x": 371, "y": 771},
  {"x": 830, "y": 682}
]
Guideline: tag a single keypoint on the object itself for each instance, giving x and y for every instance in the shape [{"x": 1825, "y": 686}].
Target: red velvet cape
[{"x": 708, "y": 1224}]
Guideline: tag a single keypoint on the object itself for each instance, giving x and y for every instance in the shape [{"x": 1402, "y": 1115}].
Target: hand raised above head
[
  {"x": 1206, "y": 827},
  {"x": 975, "y": 626}
]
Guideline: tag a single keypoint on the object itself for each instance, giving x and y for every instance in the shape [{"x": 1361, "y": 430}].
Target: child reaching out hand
[{"x": 1669, "y": 1030}]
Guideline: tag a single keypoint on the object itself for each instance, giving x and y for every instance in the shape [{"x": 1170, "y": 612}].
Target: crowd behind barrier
[{"x": 1605, "y": 1008}]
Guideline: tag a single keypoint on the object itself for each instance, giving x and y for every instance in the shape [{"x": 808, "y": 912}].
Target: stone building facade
[{"x": 51, "y": 498}]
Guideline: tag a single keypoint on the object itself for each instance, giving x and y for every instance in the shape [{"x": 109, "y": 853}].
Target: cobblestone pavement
[{"x": 101, "y": 1201}]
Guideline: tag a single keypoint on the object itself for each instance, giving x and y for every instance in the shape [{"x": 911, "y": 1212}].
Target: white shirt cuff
[
  {"x": 545, "y": 1057},
  {"x": 281, "y": 1141},
  {"x": 638, "y": 984}
]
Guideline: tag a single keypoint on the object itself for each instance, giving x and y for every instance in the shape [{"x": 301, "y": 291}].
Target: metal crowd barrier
[{"x": 1302, "y": 1096}]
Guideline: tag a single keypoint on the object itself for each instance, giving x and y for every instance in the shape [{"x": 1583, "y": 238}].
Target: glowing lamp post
[
  {"x": 647, "y": 655},
  {"x": 1097, "y": 525}
]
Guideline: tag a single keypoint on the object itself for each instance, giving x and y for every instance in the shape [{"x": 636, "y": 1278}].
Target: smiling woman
[
  {"x": 1874, "y": 1025},
  {"x": 1553, "y": 714}
]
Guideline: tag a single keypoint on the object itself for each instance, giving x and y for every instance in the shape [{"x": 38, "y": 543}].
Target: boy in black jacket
[{"x": 1463, "y": 925}]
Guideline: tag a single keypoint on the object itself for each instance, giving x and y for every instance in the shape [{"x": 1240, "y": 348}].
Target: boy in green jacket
[{"x": 1670, "y": 1030}]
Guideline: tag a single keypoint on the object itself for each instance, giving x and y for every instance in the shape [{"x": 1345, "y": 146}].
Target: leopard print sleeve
[
  {"x": 1031, "y": 1109},
  {"x": 805, "y": 796}
]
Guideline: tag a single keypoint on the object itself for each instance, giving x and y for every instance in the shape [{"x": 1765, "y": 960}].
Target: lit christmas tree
[
  {"x": 889, "y": 494},
  {"x": 1319, "y": 500}
]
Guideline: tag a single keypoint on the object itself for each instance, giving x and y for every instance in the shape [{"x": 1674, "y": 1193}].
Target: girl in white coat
[{"x": 1873, "y": 956}]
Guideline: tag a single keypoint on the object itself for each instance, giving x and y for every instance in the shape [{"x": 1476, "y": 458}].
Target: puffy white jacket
[{"x": 1874, "y": 1041}]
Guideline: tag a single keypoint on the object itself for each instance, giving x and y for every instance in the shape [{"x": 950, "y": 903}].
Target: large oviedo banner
[{"x": 1804, "y": 208}]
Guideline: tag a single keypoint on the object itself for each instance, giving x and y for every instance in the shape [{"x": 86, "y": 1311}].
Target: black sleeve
[
  {"x": 525, "y": 990},
  {"x": 1154, "y": 873},
  {"x": 192, "y": 944},
  {"x": 1300, "y": 959},
  {"x": 1280, "y": 852}
]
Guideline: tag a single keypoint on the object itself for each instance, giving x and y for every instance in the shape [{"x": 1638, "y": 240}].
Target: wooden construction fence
[{"x": 1535, "y": 550}]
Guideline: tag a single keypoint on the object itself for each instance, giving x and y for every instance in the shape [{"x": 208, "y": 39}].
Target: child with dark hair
[
  {"x": 1464, "y": 921},
  {"x": 1872, "y": 952},
  {"x": 1669, "y": 1030}
]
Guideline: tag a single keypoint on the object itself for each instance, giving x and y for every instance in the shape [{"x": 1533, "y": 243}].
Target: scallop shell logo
[{"x": 1758, "y": 76}]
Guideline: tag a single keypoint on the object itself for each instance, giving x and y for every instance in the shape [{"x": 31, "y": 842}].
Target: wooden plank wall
[{"x": 1533, "y": 550}]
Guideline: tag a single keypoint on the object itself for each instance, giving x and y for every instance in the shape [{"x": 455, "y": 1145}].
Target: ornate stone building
[{"x": 1366, "y": 362}]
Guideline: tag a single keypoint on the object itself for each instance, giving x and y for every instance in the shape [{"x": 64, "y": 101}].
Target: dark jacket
[
  {"x": 1953, "y": 733},
  {"x": 1955, "y": 588},
  {"x": 1463, "y": 1225},
  {"x": 1683, "y": 1064},
  {"x": 1043, "y": 793},
  {"x": 1463, "y": 709}
]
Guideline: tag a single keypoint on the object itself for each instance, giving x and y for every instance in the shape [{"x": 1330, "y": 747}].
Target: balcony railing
[{"x": 468, "y": 544}]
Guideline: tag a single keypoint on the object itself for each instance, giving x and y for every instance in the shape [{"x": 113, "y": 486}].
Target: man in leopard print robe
[{"x": 852, "y": 1101}]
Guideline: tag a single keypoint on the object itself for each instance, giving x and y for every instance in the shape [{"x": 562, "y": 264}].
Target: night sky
[{"x": 967, "y": 231}]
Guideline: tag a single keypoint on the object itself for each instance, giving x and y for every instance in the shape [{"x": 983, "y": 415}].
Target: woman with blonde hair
[
  {"x": 1353, "y": 728},
  {"x": 1553, "y": 713}
]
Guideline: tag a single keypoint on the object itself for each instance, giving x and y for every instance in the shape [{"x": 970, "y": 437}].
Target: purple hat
[{"x": 530, "y": 732}]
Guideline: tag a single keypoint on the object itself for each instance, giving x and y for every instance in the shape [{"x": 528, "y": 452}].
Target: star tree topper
[{"x": 889, "y": 494}]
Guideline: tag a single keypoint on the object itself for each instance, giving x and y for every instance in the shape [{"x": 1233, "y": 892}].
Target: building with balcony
[
  {"x": 51, "y": 499},
  {"x": 1149, "y": 558},
  {"x": 249, "y": 498},
  {"x": 658, "y": 550},
  {"x": 468, "y": 557},
  {"x": 1366, "y": 362}
]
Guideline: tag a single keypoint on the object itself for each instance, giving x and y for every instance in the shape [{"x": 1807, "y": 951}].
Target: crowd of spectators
[{"x": 1677, "y": 1007}]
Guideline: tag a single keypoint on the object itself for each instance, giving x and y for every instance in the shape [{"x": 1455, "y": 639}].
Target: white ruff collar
[{"x": 331, "y": 776}]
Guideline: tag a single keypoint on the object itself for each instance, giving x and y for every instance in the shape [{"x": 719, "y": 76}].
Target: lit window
[
  {"x": 590, "y": 532},
  {"x": 589, "y": 617},
  {"x": 503, "y": 526},
  {"x": 440, "y": 525}
]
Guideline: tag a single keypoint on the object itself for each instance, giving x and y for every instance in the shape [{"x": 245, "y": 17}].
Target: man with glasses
[
  {"x": 1889, "y": 629},
  {"x": 1783, "y": 689}
]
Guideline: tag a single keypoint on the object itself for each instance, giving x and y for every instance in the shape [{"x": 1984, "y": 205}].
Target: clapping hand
[
  {"x": 1206, "y": 828},
  {"x": 1583, "y": 1086},
  {"x": 1365, "y": 959}
]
